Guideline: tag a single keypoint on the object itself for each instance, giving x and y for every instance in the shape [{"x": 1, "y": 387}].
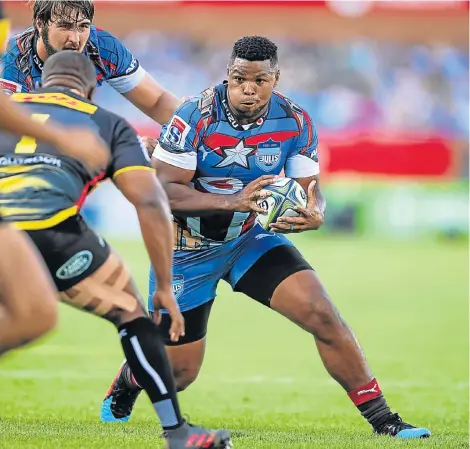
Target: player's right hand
[
  {"x": 166, "y": 300},
  {"x": 246, "y": 199},
  {"x": 85, "y": 146}
]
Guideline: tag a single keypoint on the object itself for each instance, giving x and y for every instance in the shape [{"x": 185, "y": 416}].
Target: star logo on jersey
[{"x": 237, "y": 155}]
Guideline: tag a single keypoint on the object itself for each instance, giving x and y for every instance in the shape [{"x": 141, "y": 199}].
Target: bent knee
[
  {"x": 185, "y": 376},
  {"x": 42, "y": 319},
  {"x": 319, "y": 317}
]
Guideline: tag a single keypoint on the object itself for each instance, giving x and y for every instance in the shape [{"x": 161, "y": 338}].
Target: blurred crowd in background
[
  {"x": 386, "y": 84},
  {"x": 362, "y": 84}
]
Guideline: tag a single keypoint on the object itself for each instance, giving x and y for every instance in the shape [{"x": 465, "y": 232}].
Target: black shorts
[
  {"x": 280, "y": 262},
  {"x": 71, "y": 250}
]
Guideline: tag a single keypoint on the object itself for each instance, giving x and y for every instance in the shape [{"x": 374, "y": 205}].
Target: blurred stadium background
[
  {"x": 385, "y": 82},
  {"x": 387, "y": 86}
]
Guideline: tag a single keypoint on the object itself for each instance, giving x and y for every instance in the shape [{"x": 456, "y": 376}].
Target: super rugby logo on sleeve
[
  {"x": 9, "y": 87},
  {"x": 177, "y": 132}
]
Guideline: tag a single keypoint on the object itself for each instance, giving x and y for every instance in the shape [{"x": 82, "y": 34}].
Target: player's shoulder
[
  {"x": 20, "y": 43},
  {"x": 285, "y": 106},
  {"x": 104, "y": 40},
  {"x": 200, "y": 105},
  {"x": 107, "y": 120},
  {"x": 281, "y": 100}
]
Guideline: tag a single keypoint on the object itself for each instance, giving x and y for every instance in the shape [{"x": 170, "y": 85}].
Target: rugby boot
[
  {"x": 394, "y": 426},
  {"x": 189, "y": 436},
  {"x": 120, "y": 398}
]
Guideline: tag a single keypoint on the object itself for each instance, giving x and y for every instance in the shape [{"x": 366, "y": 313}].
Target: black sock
[
  {"x": 145, "y": 353},
  {"x": 376, "y": 411}
]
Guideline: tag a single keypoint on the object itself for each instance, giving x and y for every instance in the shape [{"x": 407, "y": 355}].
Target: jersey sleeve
[
  {"x": 12, "y": 79},
  {"x": 180, "y": 137},
  {"x": 302, "y": 161},
  {"x": 123, "y": 71},
  {"x": 128, "y": 152}
]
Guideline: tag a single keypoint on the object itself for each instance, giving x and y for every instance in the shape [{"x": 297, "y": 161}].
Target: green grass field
[{"x": 262, "y": 377}]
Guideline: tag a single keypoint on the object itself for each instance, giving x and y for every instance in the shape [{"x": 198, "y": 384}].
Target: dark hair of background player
[
  {"x": 255, "y": 48},
  {"x": 45, "y": 10},
  {"x": 70, "y": 69}
]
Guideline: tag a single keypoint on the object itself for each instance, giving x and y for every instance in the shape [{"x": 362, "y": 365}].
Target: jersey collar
[
  {"x": 36, "y": 59},
  {"x": 224, "y": 101}
]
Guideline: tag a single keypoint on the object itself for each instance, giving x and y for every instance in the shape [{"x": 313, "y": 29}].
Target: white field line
[{"x": 51, "y": 374}]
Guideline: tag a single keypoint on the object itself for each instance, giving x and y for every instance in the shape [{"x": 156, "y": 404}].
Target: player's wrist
[
  {"x": 164, "y": 288},
  {"x": 231, "y": 203}
]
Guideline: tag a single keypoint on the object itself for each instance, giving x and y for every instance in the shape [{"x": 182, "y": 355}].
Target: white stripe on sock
[{"x": 146, "y": 365}]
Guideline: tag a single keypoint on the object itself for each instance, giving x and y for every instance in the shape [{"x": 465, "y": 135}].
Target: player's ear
[
  {"x": 38, "y": 25},
  {"x": 91, "y": 95},
  {"x": 276, "y": 79}
]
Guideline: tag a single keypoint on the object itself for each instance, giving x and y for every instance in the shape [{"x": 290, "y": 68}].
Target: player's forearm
[
  {"x": 15, "y": 121},
  {"x": 164, "y": 108},
  {"x": 157, "y": 232},
  {"x": 186, "y": 201}
]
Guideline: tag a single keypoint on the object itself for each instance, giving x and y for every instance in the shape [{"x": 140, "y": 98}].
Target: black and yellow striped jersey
[
  {"x": 39, "y": 186},
  {"x": 4, "y": 28}
]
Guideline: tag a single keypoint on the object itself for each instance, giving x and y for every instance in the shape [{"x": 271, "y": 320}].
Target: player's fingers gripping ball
[{"x": 286, "y": 195}]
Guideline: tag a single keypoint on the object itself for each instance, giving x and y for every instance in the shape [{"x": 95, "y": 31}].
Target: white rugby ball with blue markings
[{"x": 286, "y": 196}]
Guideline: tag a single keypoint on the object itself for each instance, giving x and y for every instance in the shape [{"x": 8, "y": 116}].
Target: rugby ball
[{"x": 286, "y": 195}]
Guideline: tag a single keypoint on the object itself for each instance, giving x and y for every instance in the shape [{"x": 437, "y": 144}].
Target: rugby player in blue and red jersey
[{"x": 214, "y": 157}]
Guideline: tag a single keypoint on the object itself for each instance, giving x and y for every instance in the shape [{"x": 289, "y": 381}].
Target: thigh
[
  {"x": 264, "y": 269},
  {"x": 196, "y": 275},
  {"x": 302, "y": 298},
  {"x": 25, "y": 283},
  {"x": 195, "y": 325},
  {"x": 71, "y": 251},
  {"x": 87, "y": 273}
]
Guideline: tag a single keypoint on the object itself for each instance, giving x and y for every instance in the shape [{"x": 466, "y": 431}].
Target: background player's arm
[
  {"x": 135, "y": 84},
  {"x": 133, "y": 176},
  {"x": 146, "y": 194},
  {"x": 153, "y": 100}
]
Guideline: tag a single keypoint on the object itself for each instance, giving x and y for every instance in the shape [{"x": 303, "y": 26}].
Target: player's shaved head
[
  {"x": 255, "y": 48},
  {"x": 70, "y": 69}
]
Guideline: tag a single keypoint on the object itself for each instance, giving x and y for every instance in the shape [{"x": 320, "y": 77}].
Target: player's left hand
[{"x": 311, "y": 217}]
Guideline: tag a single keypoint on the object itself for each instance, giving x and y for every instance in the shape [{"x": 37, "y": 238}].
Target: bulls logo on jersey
[{"x": 268, "y": 155}]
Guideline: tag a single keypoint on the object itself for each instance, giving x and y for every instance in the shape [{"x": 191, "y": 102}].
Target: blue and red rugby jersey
[{"x": 21, "y": 67}]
